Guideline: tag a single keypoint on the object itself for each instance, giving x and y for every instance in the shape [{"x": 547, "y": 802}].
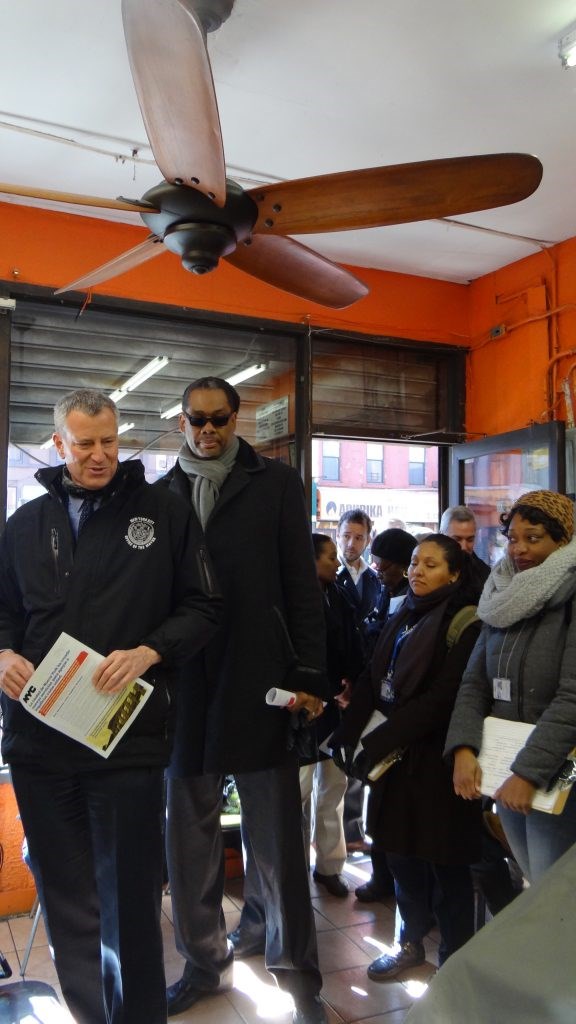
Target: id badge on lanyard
[
  {"x": 501, "y": 688},
  {"x": 387, "y": 684}
]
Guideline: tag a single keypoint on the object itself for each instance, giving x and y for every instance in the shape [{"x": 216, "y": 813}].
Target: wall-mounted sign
[{"x": 272, "y": 420}]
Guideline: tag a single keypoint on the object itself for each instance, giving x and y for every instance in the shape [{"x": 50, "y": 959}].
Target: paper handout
[{"x": 61, "y": 694}]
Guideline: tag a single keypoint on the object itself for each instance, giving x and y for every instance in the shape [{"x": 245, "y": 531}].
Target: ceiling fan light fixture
[
  {"x": 212, "y": 13},
  {"x": 200, "y": 246},
  {"x": 567, "y": 47}
]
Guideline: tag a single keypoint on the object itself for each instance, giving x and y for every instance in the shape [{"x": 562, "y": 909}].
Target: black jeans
[
  {"x": 424, "y": 889},
  {"x": 95, "y": 846}
]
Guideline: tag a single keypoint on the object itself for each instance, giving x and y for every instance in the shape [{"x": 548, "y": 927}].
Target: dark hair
[
  {"x": 536, "y": 517},
  {"x": 455, "y": 557},
  {"x": 356, "y": 515},
  {"x": 213, "y": 384},
  {"x": 394, "y": 545},
  {"x": 319, "y": 541}
]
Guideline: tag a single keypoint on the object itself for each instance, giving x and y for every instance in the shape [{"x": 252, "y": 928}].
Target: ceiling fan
[{"x": 202, "y": 217}]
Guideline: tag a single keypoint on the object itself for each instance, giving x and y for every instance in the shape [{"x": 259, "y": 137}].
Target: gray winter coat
[{"x": 538, "y": 656}]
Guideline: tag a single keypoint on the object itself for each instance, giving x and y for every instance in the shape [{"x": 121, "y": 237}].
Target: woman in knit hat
[{"x": 523, "y": 669}]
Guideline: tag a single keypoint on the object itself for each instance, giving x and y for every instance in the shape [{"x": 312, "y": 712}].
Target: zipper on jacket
[
  {"x": 522, "y": 662},
  {"x": 55, "y": 557},
  {"x": 206, "y": 571},
  {"x": 168, "y": 707}
]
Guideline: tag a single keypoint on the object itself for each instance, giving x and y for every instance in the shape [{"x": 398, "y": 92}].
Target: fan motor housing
[{"x": 194, "y": 228}]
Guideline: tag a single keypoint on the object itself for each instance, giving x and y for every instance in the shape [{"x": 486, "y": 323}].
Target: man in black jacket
[
  {"x": 365, "y": 593},
  {"x": 253, "y": 513},
  {"x": 358, "y": 582},
  {"x": 119, "y": 566}
]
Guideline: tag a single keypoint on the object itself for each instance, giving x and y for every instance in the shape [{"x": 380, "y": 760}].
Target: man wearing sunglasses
[{"x": 254, "y": 519}]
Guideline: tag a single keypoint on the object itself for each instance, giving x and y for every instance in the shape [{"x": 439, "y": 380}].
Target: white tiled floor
[{"x": 350, "y": 935}]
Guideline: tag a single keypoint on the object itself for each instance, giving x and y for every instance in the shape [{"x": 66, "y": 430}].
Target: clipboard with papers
[{"x": 501, "y": 742}]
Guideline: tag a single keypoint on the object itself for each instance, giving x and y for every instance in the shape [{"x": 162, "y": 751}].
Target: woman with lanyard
[
  {"x": 413, "y": 813},
  {"x": 524, "y": 670}
]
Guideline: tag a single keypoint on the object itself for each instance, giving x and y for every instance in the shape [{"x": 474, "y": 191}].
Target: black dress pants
[
  {"x": 95, "y": 847},
  {"x": 271, "y": 823}
]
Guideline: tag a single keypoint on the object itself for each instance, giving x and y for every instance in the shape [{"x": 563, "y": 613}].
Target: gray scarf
[
  {"x": 207, "y": 476},
  {"x": 510, "y": 596}
]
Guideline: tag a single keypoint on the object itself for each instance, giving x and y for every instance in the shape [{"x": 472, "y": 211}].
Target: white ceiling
[{"x": 309, "y": 87}]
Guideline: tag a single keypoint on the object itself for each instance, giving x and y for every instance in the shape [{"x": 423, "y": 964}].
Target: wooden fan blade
[
  {"x": 397, "y": 194},
  {"x": 119, "y": 265},
  {"x": 293, "y": 267},
  {"x": 175, "y": 90},
  {"x": 73, "y": 197}
]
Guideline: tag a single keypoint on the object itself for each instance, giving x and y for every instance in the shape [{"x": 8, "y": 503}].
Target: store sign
[
  {"x": 411, "y": 505},
  {"x": 272, "y": 420}
]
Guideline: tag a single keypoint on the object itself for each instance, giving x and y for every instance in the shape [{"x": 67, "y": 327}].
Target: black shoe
[
  {"x": 184, "y": 993},
  {"x": 310, "y": 1010},
  {"x": 246, "y": 945},
  {"x": 334, "y": 884},
  {"x": 387, "y": 967},
  {"x": 372, "y": 893}
]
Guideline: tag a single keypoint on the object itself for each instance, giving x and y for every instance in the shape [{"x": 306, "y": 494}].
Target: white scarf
[
  {"x": 510, "y": 596},
  {"x": 207, "y": 476}
]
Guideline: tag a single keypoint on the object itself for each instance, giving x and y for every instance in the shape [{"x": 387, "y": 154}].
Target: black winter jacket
[
  {"x": 412, "y": 809},
  {"x": 138, "y": 574}
]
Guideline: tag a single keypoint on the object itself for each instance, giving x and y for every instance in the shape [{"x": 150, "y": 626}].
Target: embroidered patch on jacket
[{"x": 140, "y": 533}]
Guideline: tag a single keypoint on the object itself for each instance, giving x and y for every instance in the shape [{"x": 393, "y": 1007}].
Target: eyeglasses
[{"x": 201, "y": 421}]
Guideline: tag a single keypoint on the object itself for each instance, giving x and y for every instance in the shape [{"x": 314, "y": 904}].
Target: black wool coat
[
  {"x": 412, "y": 809},
  {"x": 272, "y": 632}
]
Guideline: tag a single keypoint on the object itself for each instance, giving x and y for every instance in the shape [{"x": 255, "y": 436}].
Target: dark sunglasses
[{"x": 201, "y": 421}]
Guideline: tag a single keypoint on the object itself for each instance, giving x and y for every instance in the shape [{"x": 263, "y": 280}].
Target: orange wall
[
  {"x": 51, "y": 249},
  {"x": 513, "y": 380},
  {"x": 518, "y": 378}
]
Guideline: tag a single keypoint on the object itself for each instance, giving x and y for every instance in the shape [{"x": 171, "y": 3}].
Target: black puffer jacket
[{"x": 139, "y": 574}]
